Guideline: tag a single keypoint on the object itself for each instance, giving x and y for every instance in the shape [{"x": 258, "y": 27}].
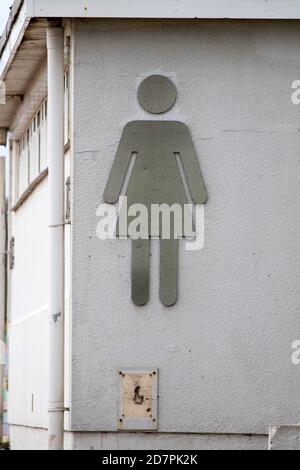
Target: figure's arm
[
  {"x": 119, "y": 168},
  {"x": 191, "y": 168}
]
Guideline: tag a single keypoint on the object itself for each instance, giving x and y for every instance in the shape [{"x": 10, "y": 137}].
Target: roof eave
[
  {"x": 180, "y": 9},
  {"x": 14, "y": 11},
  {"x": 23, "y": 10},
  {"x": 13, "y": 34}
]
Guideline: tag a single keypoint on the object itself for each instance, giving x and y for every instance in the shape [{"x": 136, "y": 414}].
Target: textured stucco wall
[{"x": 224, "y": 351}]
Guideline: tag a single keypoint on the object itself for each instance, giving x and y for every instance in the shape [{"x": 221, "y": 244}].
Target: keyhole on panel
[{"x": 138, "y": 399}]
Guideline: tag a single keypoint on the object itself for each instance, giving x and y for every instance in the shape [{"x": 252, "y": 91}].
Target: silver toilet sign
[{"x": 156, "y": 180}]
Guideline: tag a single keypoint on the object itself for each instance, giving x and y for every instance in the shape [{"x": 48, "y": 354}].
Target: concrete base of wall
[
  {"x": 284, "y": 438},
  {"x": 25, "y": 438}
]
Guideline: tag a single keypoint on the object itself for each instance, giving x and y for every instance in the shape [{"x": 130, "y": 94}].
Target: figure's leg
[
  {"x": 140, "y": 271},
  {"x": 168, "y": 272}
]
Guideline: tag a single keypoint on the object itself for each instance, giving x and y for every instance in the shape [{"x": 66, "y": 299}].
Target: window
[
  {"x": 32, "y": 158},
  {"x": 67, "y": 109},
  {"x": 31, "y": 155}
]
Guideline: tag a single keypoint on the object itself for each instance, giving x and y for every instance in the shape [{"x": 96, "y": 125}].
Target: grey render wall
[{"x": 224, "y": 351}]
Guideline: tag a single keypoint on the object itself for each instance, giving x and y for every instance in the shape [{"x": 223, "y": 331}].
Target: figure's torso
[{"x": 155, "y": 177}]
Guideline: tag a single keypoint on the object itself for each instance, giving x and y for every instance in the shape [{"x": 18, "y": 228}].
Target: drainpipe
[
  {"x": 2, "y": 288},
  {"x": 55, "y": 46}
]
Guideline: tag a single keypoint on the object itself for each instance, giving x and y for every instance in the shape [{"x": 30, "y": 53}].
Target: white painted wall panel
[
  {"x": 28, "y": 384},
  {"x": 28, "y": 332},
  {"x": 30, "y": 275},
  {"x": 224, "y": 351}
]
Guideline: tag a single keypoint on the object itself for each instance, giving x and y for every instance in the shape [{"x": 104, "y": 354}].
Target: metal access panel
[{"x": 138, "y": 400}]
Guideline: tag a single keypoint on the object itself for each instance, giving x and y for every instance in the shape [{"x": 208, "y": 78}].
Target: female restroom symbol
[{"x": 156, "y": 180}]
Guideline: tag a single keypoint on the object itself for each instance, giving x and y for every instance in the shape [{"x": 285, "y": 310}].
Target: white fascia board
[
  {"x": 15, "y": 37},
  {"x": 244, "y": 9}
]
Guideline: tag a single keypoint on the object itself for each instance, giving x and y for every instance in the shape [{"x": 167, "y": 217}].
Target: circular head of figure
[{"x": 157, "y": 94}]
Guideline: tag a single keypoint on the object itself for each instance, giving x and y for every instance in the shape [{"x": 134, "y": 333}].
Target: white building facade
[{"x": 224, "y": 352}]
